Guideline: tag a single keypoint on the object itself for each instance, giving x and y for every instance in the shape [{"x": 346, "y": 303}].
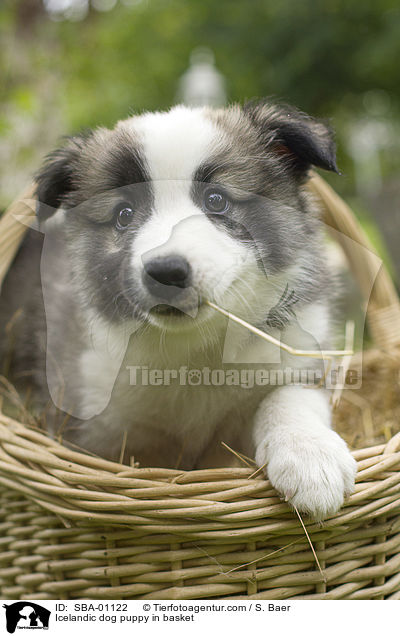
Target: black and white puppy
[{"x": 140, "y": 225}]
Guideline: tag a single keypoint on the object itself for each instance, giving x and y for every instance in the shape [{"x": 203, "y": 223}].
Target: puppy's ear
[
  {"x": 56, "y": 180},
  {"x": 299, "y": 139}
]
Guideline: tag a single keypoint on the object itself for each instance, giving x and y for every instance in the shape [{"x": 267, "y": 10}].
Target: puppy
[{"x": 139, "y": 227}]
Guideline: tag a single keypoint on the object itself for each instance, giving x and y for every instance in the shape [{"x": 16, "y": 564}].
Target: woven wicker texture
[
  {"x": 80, "y": 527},
  {"x": 76, "y": 526}
]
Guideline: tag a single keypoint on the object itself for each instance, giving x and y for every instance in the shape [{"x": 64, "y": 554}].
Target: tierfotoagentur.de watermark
[{"x": 338, "y": 377}]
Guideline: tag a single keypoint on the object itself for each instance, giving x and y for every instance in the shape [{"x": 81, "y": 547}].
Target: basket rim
[
  {"x": 373, "y": 278},
  {"x": 205, "y": 504}
]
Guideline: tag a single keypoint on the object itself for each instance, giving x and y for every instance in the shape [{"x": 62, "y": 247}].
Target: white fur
[
  {"x": 305, "y": 460},
  {"x": 174, "y": 414},
  {"x": 176, "y": 225},
  {"x": 165, "y": 136},
  {"x": 100, "y": 364}
]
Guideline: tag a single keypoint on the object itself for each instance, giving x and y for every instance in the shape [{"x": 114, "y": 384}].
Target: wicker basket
[{"x": 76, "y": 526}]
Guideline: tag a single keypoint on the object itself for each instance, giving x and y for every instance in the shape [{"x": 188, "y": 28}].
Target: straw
[{"x": 324, "y": 355}]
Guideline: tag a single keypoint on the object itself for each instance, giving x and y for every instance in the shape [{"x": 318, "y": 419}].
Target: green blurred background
[{"x": 70, "y": 64}]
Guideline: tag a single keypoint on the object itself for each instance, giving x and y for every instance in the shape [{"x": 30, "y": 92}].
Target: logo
[{"x": 26, "y": 615}]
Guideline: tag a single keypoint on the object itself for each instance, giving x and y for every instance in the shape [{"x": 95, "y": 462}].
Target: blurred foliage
[
  {"x": 321, "y": 55},
  {"x": 61, "y": 75}
]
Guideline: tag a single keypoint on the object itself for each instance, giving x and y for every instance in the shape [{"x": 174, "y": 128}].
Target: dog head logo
[{"x": 26, "y": 615}]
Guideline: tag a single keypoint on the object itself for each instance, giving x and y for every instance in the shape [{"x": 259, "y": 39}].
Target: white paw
[{"x": 314, "y": 472}]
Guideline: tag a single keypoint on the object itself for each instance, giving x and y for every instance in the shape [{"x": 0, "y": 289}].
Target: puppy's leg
[{"x": 305, "y": 459}]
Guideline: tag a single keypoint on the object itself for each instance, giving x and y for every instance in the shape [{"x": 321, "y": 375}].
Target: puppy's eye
[
  {"x": 124, "y": 216},
  {"x": 216, "y": 202}
]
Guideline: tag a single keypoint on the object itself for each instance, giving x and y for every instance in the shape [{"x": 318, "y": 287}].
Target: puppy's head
[{"x": 169, "y": 209}]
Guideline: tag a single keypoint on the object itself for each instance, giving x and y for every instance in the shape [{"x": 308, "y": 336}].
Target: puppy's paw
[{"x": 314, "y": 473}]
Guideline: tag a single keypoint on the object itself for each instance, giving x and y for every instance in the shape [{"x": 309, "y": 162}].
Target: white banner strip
[{"x": 332, "y": 618}]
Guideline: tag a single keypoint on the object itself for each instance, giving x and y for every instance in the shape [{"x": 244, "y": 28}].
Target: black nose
[{"x": 164, "y": 274}]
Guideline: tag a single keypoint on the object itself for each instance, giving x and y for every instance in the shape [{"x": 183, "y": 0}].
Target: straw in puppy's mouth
[{"x": 319, "y": 354}]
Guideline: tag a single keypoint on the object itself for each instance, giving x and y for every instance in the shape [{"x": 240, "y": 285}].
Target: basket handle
[
  {"x": 383, "y": 311},
  {"x": 378, "y": 290},
  {"x": 12, "y": 230}
]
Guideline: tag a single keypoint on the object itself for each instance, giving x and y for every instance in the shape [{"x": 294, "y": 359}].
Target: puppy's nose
[{"x": 163, "y": 274}]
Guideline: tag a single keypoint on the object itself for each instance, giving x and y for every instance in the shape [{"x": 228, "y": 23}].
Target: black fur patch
[
  {"x": 56, "y": 178},
  {"x": 88, "y": 164},
  {"x": 124, "y": 163},
  {"x": 300, "y": 139},
  {"x": 283, "y": 312}
]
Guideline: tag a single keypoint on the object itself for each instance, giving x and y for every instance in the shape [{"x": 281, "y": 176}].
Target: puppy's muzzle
[{"x": 166, "y": 277}]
